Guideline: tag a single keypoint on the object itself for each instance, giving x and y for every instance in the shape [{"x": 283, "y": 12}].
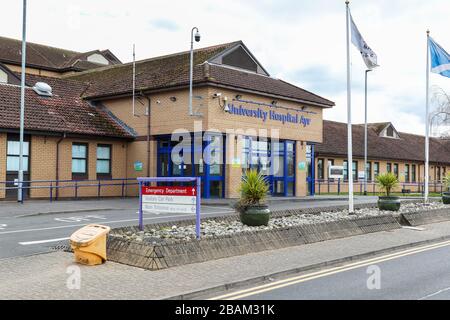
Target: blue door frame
[
  {"x": 206, "y": 177},
  {"x": 311, "y": 171},
  {"x": 271, "y": 178}
]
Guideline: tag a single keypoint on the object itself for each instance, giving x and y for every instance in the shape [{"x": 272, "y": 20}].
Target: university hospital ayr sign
[{"x": 272, "y": 115}]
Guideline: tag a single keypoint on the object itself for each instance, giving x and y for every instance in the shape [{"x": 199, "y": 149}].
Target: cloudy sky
[{"x": 300, "y": 41}]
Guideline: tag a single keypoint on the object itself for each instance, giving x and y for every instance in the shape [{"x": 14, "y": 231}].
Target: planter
[
  {"x": 446, "y": 197},
  {"x": 389, "y": 203},
  {"x": 256, "y": 215}
]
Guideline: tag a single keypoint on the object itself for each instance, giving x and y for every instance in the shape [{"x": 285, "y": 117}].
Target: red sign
[{"x": 169, "y": 191}]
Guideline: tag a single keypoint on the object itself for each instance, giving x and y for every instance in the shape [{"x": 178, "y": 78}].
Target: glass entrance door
[
  {"x": 205, "y": 161},
  {"x": 275, "y": 160}
]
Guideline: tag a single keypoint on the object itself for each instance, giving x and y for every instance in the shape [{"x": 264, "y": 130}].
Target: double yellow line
[{"x": 327, "y": 272}]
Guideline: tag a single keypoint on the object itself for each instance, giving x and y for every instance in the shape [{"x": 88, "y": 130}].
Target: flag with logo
[
  {"x": 368, "y": 55},
  {"x": 440, "y": 59}
]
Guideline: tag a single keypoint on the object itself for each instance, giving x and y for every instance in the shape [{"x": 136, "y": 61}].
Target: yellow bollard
[{"x": 89, "y": 244}]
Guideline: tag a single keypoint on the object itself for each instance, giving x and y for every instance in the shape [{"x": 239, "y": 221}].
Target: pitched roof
[
  {"x": 409, "y": 147},
  {"x": 49, "y": 58},
  {"x": 173, "y": 71},
  {"x": 64, "y": 112}
]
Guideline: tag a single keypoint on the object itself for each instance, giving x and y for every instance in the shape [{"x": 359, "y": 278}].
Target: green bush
[
  {"x": 447, "y": 181},
  {"x": 253, "y": 189},
  {"x": 387, "y": 182}
]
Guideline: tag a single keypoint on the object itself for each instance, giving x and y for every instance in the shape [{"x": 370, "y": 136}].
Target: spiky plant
[
  {"x": 447, "y": 181},
  {"x": 387, "y": 182},
  {"x": 254, "y": 189}
]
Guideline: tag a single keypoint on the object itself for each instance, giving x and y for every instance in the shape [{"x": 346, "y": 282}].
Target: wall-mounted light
[
  {"x": 274, "y": 102},
  {"x": 238, "y": 97},
  {"x": 173, "y": 99},
  {"x": 217, "y": 95}
]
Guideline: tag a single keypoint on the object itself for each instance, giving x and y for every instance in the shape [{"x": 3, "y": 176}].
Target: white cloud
[{"x": 291, "y": 38}]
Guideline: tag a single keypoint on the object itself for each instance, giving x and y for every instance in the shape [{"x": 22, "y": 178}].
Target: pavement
[
  {"x": 55, "y": 276},
  {"x": 36, "y": 226}
]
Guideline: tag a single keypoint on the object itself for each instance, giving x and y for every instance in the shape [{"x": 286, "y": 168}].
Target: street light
[
  {"x": 191, "y": 67},
  {"x": 365, "y": 136}
]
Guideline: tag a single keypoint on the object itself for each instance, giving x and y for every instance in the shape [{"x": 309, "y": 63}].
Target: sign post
[{"x": 170, "y": 199}]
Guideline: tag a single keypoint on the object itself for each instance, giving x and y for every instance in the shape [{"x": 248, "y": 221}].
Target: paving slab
[{"x": 45, "y": 276}]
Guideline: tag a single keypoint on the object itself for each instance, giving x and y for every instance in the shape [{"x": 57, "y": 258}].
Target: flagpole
[
  {"x": 365, "y": 134},
  {"x": 427, "y": 120},
  {"x": 349, "y": 118},
  {"x": 22, "y": 104}
]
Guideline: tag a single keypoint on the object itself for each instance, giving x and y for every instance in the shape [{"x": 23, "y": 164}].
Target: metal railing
[
  {"x": 340, "y": 186},
  {"x": 53, "y": 186}
]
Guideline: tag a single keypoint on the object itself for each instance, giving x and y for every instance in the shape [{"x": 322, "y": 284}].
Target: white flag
[{"x": 369, "y": 57}]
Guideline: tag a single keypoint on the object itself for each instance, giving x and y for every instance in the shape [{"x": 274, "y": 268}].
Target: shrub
[
  {"x": 387, "y": 182},
  {"x": 447, "y": 181},
  {"x": 254, "y": 189}
]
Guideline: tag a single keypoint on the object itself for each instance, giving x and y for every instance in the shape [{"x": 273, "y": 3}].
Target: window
[
  {"x": 407, "y": 173},
  {"x": 390, "y": 131},
  {"x": 355, "y": 170},
  {"x": 104, "y": 160},
  {"x": 3, "y": 77},
  {"x": 396, "y": 169},
  {"x": 320, "y": 169},
  {"x": 438, "y": 174},
  {"x": 345, "y": 170},
  {"x": 413, "y": 173},
  {"x": 369, "y": 171},
  {"x": 79, "y": 160},
  {"x": 376, "y": 169},
  {"x": 330, "y": 164},
  {"x": 97, "y": 58},
  {"x": 389, "y": 167},
  {"x": 12, "y": 157}
]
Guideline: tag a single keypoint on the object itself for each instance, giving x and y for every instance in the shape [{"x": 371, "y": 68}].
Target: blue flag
[{"x": 440, "y": 59}]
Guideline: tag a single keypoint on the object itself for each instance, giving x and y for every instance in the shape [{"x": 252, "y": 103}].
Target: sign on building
[
  {"x": 335, "y": 172},
  {"x": 169, "y": 199},
  {"x": 361, "y": 175}
]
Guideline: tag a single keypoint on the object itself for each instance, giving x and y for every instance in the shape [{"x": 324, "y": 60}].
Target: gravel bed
[{"x": 211, "y": 228}]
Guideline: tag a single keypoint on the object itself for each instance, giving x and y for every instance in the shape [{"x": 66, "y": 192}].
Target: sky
[{"x": 299, "y": 41}]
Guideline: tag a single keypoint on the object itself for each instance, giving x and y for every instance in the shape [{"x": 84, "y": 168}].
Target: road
[
  {"x": 421, "y": 273},
  {"x": 37, "y": 226}
]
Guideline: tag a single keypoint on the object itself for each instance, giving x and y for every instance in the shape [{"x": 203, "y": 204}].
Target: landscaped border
[{"x": 159, "y": 256}]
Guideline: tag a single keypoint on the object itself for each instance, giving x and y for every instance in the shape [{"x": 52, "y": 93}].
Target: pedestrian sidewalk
[
  {"x": 45, "y": 276},
  {"x": 39, "y": 207}
]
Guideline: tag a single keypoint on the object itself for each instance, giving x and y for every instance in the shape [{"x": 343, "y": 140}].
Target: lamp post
[
  {"x": 191, "y": 67},
  {"x": 22, "y": 104},
  {"x": 365, "y": 134}
]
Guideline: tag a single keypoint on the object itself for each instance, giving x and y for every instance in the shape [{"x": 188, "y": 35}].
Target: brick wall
[
  {"x": 326, "y": 187},
  {"x": 43, "y": 166}
]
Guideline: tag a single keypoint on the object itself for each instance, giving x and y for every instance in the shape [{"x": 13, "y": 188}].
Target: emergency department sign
[{"x": 169, "y": 199}]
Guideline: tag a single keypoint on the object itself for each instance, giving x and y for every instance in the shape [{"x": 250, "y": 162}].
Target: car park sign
[{"x": 169, "y": 199}]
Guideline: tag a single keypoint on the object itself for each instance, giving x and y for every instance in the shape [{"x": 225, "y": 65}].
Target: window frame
[
  {"x": 376, "y": 172},
  {"x": 78, "y": 175},
  {"x": 330, "y": 162},
  {"x": 15, "y": 138},
  {"x": 320, "y": 169},
  {"x": 368, "y": 171},
  {"x": 101, "y": 175},
  {"x": 413, "y": 173},
  {"x": 407, "y": 172},
  {"x": 396, "y": 170}
]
